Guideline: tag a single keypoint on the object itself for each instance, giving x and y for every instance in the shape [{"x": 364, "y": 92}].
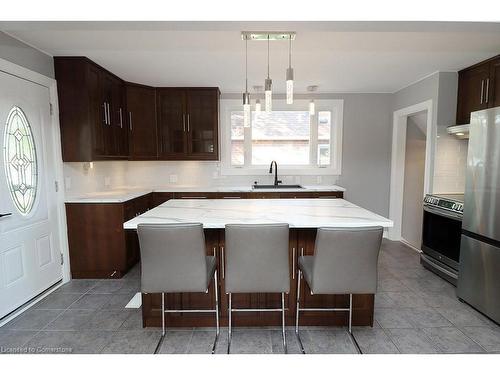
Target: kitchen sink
[{"x": 277, "y": 187}]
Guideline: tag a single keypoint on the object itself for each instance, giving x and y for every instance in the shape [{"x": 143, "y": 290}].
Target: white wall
[
  {"x": 450, "y": 159},
  {"x": 20, "y": 53}
]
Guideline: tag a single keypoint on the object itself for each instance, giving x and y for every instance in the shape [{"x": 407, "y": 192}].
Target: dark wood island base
[{"x": 301, "y": 242}]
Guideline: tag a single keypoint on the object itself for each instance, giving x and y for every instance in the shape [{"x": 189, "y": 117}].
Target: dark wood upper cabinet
[
  {"x": 172, "y": 126},
  {"x": 141, "y": 120},
  {"x": 476, "y": 88},
  {"x": 494, "y": 83},
  {"x": 90, "y": 99},
  {"x": 104, "y": 118},
  {"x": 188, "y": 123},
  {"x": 202, "y": 123}
]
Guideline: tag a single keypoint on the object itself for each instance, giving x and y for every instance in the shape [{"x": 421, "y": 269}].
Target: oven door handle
[{"x": 444, "y": 213}]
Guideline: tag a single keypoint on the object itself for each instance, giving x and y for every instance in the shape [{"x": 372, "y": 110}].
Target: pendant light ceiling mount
[{"x": 265, "y": 35}]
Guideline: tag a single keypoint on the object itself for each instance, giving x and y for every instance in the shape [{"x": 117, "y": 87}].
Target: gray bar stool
[
  {"x": 257, "y": 262},
  {"x": 344, "y": 262},
  {"x": 173, "y": 260}
]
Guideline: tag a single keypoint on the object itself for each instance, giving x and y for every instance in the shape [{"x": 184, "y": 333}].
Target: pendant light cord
[
  {"x": 246, "y": 65},
  {"x": 268, "y": 56},
  {"x": 290, "y": 52}
]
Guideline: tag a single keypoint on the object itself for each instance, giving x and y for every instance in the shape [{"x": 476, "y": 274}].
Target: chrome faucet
[{"x": 276, "y": 181}]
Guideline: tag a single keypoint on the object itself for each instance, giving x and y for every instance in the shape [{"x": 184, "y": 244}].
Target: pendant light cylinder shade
[
  {"x": 312, "y": 108},
  {"x": 269, "y": 94},
  {"x": 289, "y": 86},
  {"x": 247, "y": 113},
  {"x": 258, "y": 106}
]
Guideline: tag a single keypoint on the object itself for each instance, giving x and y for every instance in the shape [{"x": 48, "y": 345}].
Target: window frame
[{"x": 335, "y": 106}]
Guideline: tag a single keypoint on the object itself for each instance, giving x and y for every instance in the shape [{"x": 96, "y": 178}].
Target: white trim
[
  {"x": 21, "y": 72},
  {"x": 336, "y": 106},
  {"x": 410, "y": 245},
  {"x": 399, "y": 124}
]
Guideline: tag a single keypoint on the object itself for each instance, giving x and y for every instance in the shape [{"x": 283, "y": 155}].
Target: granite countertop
[
  {"x": 126, "y": 194},
  {"x": 298, "y": 213}
]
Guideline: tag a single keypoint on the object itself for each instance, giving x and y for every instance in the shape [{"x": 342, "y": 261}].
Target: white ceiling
[{"x": 336, "y": 56}]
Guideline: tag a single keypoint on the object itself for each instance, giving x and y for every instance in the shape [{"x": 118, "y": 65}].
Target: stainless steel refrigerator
[{"x": 479, "y": 270}]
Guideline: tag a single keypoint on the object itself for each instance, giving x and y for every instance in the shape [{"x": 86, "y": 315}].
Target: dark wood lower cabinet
[
  {"x": 99, "y": 247},
  {"x": 301, "y": 241}
]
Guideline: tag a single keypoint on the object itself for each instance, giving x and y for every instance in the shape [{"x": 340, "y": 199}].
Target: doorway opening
[
  {"x": 413, "y": 185},
  {"x": 413, "y": 145}
]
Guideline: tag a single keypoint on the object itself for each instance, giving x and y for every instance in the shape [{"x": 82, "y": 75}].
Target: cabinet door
[
  {"x": 172, "y": 126},
  {"x": 118, "y": 125},
  {"x": 494, "y": 84},
  {"x": 141, "y": 118},
  {"x": 202, "y": 119},
  {"x": 472, "y": 92},
  {"x": 97, "y": 111},
  {"x": 107, "y": 95}
]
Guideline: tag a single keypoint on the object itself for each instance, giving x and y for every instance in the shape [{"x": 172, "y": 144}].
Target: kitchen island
[{"x": 303, "y": 215}]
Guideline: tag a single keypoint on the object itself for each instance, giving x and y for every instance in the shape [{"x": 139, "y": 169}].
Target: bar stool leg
[
  {"x": 216, "y": 291},
  {"x": 158, "y": 346},
  {"x": 283, "y": 321},
  {"x": 297, "y": 314},
  {"x": 163, "y": 314},
  {"x": 350, "y": 313},
  {"x": 229, "y": 327}
]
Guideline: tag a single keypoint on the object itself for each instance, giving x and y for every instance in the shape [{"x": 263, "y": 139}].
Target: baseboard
[{"x": 402, "y": 240}]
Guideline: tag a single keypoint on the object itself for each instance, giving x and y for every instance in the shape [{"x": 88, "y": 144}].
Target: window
[
  {"x": 300, "y": 143},
  {"x": 20, "y": 161}
]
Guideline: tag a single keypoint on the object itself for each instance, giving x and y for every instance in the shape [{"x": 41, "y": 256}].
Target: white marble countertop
[
  {"x": 126, "y": 194},
  {"x": 298, "y": 213}
]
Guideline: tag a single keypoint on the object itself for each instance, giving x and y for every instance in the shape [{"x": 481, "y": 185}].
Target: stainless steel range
[{"x": 442, "y": 229}]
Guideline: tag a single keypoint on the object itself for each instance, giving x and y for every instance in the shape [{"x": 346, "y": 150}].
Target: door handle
[
  {"x": 482, "y": 90},
  {"x": 8, "y": 214},
  {"x": 130, "y": 120},
  {"x": 188, "y": 121},
  {"x": 184, "y": 122},
  {"x": 293, "y": 262},
  {"x": 121, "y": 118}
]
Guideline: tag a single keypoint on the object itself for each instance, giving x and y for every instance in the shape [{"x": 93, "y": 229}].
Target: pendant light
[
  {"x": 312, "y": 105},
  {"x": 258, "y": 105},
  {"x": 268, "y": 85},
  {"x": 289, "y": 74},
  {"x": 246, "y": 96}
]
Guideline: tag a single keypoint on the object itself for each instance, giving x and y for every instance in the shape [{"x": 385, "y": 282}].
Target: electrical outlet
[
  {"x": 67, "y": 183},
  {"x": 215, "y": 175},
  {"x": 297, "y": 180},
  {"x": 173, "y": 178},
  {"x": 107, "y": 181}
]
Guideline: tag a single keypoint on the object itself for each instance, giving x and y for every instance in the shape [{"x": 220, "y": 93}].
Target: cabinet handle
[
  {"x": 188, "y": 121},
  {"x": 193, "y": 197},
  {"x": 482, "y": 90},
  {"x": 293, "y": 262},
  {"x": 109, "y": 115},
  {"x": 130, "y": 120},
  {"x": 301, "y": 251},
  {"x": 121, "y": 118},
  {"x": 487, "y": 89},
  {"x": 222, "y": 260},
  {"x": 184, "y": 122},
  {"x": 105, "y": 113},
  {"x": 214, "y": 250}
]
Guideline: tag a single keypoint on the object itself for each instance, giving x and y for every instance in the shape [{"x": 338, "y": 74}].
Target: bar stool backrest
[
  {"x": 172, "y": 258},
  {"x": 257, "y": 258},
  {"x": 345, "y": 260}
]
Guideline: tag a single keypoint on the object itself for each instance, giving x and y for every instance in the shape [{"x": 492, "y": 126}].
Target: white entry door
[{"x": 30, "y": 259}]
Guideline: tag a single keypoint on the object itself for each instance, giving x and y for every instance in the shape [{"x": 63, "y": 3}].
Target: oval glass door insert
[{"x": 20, "y": 161}]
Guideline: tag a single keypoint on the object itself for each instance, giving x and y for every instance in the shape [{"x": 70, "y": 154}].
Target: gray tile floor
[{"x": 415, "y": 312}]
